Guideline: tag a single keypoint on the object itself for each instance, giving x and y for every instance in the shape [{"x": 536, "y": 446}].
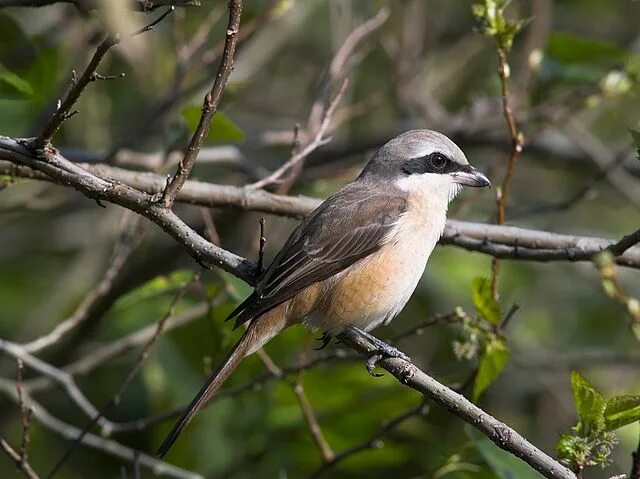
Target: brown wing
[{"x": 347, "y": 227}]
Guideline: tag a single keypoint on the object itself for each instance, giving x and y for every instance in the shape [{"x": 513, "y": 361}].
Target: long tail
[{"x": 247, "y": 343}]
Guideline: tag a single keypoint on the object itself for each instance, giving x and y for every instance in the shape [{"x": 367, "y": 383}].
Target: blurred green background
[{"x": 574, "y": 74}]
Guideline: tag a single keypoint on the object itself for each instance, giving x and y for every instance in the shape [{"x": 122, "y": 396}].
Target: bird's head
[{"x": 423, "y": 161}]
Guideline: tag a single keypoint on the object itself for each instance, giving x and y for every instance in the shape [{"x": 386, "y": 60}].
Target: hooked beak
[{"x": 469, "y": 176}]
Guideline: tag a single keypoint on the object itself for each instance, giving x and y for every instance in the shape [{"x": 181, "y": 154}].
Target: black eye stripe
[{"x": 435, "y": 162}]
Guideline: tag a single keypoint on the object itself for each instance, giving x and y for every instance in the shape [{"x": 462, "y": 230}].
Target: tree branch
[
  {"x": 499, "y": 241},
  {"x": 62, "y": 171},
  {"x": 209, "y": 107},
  {"x": 108, "y": 447},
  {"x": 78, "y": 85},
  {"x": 141, "y": 5},
  {"x": 501, "y": 434}
]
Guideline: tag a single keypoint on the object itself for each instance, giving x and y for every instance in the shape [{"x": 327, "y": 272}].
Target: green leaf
[
  {"x": 573, "y": 49},
  {"x": 493, "y": 360},
  {"x": 621, "y": 411},
  {"x": 486, "y": 306},
  {"x": 222, "y": 130},
  {"x": 504, "y": 464},
  {"x": 155, "y": 287},
  {"x": 589, "y": 403},
  {"x": 12, "y": 86}
]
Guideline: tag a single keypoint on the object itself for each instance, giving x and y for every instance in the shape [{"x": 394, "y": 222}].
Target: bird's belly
[{"x": 373, "y": 291}]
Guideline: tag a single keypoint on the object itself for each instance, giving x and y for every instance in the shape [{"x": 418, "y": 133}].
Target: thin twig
[
  {"x": 21, "y": 458},
  {"x": 124, "y": 188},
  {"x": 115, "y": 399},
  {"x": 374, "y": 441},
  {"x": 338, "y": 64},
  {"x": 84, "y": 5},
  {"x": 517, "y": 143},
  {"x": 209, "y": 107},
  {"x": 316, "y": 142},
  {"x": 62, "y": 378},
  {"x": 308, "y": 413},
  {"x": 105, "y": 446},
  {"x": 625, "y": 243},
  {"x": 129, "y": 238},
  {"x": 78, "y": 85},
  {"x": 25, "y": 467}
]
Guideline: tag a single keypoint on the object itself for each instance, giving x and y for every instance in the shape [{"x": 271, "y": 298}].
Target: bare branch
[
  {"x": 91, "y": 441},
  {"x": 209, "y": 107},
  {"x": 517, "y": 143},
  {"x": 500, "y": 241},
  {"x": 128, "y": 239},
  {"x": 115, "y": 399},
  {"x": 308, "y": 413},
  {"x": 372, "y": 442},
  {"x": 141, "y": 5},
  {"x": 78, "y": 85},
  {"x": 337, "y": 66},
  {"x": 317, "y": 141},
  {"x": 63, "y": 171},
  {"x": 62, "y": 378},
  {"x": 22, "y": 458},
  {"x": 24, "y": 466},
  {"x": 502, "y": 435}
]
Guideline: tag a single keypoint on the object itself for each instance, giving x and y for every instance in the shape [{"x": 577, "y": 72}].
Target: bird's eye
[{"x": 438, "y": 161}]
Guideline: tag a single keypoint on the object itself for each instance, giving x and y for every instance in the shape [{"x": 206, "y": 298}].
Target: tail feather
[{"x": 237, "y": 354}]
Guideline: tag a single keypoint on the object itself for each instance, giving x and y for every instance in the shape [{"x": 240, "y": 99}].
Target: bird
[{"x": 357, "y": 258}]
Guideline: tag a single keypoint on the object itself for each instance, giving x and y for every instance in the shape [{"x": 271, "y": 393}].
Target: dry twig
[{"x": 209, "y": 107}]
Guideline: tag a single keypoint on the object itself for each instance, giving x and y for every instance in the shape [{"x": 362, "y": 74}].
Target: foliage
[
  {"x": 482, "y": 337},
  {"x": 591, "y": 441},
  {"x": 493, "y": 23},
  {"x": 575, "y": 94}
]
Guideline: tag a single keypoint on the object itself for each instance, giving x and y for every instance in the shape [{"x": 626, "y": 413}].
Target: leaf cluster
[
  {"x": 492, "y": 22},
  {"x": 591, "y": 440}
]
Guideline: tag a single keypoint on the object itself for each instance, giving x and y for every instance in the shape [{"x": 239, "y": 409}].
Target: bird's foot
[
  {"x": 383, "y": 350},
  {"x": 326, "y": 339}
]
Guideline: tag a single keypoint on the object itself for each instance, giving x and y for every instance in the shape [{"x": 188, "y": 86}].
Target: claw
[
  {"x": 326, "y": 339},
  {"x": 371, "y": 364},
  {"x": 382, "y": 350}
]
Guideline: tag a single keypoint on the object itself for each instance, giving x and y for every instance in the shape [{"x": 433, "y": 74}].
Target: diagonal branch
[
  {"x": 92, "y": 441},
  {"x": 209, "y": 107},
  {"x": 141, "y": 5},
  {"x": 502, "y": 435},
  {"x": 78, "y": 85},
  {"x": 499, "y": 241},
  {"x": 116, "y": 398},
  {"x": 317, "y": 141}
]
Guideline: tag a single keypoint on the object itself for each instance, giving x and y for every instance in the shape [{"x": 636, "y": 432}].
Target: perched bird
[{"x": 357, "y": 258}]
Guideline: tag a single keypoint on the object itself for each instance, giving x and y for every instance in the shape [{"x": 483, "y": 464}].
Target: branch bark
[
  {"x": 142, "y": 5},
  {"x": 502, "y": 435},
  {"x": 500, "y": 241},
  {"x": 93, "y": 441},
  {"x": 209, "y": 107}
]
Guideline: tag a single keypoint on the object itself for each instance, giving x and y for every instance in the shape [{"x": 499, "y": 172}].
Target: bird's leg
[
  {"x": 326, "y": 339},
  {"x": 382, "y": 349}
]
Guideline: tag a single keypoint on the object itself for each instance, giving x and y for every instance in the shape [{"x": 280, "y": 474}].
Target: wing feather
[{"x": 347, "y": 227}]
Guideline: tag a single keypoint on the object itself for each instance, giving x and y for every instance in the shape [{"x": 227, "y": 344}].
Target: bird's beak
[{"x": 469, "y": 176}]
